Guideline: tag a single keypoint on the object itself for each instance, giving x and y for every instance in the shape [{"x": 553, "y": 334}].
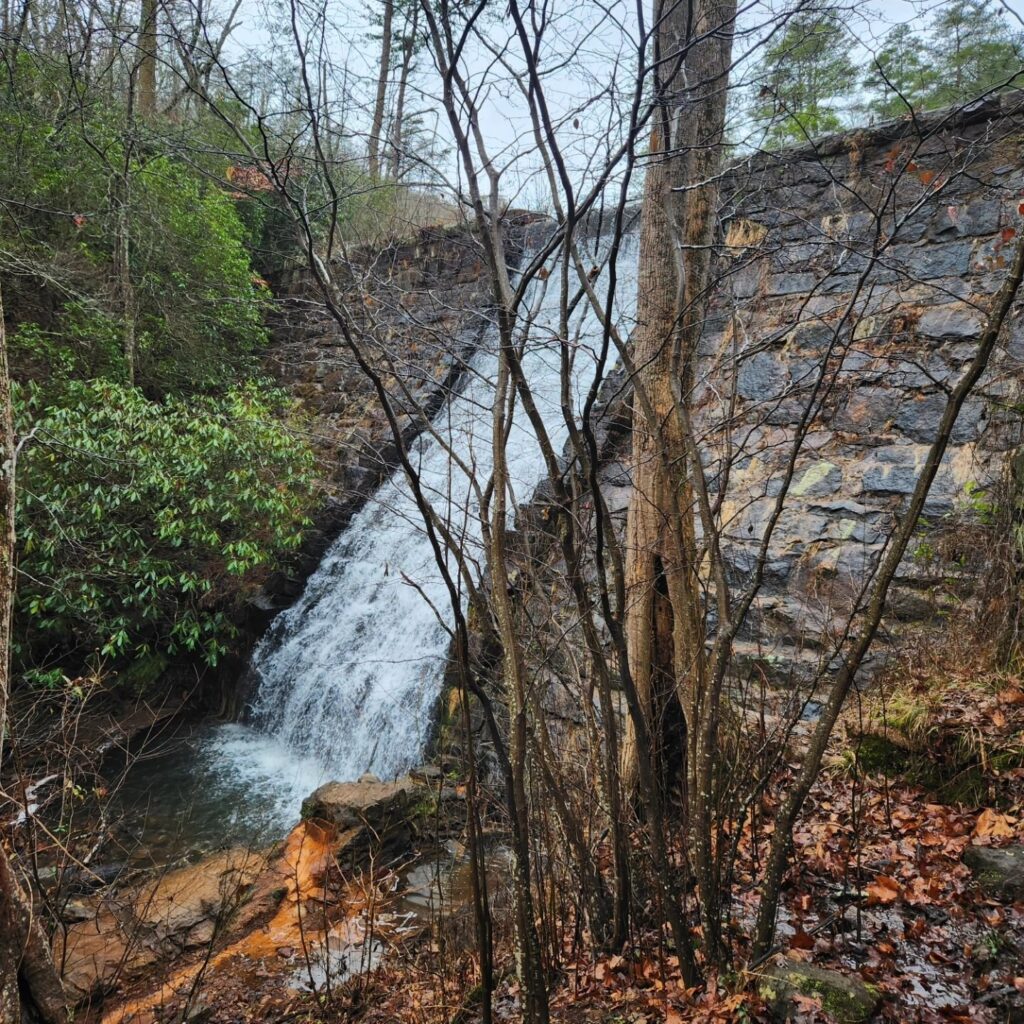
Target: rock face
[
  {"x": 854, "y": 278},
  {"x": 124, "y": 934},
  {"x": 809, "y": 290},
  {"x": 847, "y": 1000},
  {"x": 1000, "y": 872},
  {"x": 221, "y": 929},
  {"x": 367, "y": 803}
]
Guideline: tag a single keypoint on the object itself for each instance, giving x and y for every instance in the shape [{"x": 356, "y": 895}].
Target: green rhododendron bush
[
  {"x": 159, "y": 478},
  {"x": 140, "y": 523}
]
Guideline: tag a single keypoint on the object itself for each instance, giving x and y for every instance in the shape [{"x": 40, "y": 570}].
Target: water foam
[{"x": 349, "y": 676}]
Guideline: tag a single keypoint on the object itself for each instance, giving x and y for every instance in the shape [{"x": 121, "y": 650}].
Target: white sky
[{"x": 596, "y": 45}]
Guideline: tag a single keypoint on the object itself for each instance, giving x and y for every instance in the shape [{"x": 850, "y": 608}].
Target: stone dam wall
[
  {"x": 855, "y": 276},
  {"x": 872, "y": 255},
  {"x": 418, "y": 309}
]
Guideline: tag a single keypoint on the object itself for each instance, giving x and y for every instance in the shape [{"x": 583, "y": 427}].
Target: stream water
[{"x": 347, "y": 679}]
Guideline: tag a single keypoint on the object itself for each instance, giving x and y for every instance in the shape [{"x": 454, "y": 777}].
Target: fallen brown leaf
[{"x": 884, "y": 890}]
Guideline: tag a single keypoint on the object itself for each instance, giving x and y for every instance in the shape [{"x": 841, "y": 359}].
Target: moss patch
[
  {"x": 876, "y": 754},
  {"x": 847, "y": 999}
]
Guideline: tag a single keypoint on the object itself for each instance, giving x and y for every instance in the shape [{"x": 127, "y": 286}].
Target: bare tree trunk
[
  {"x": 664, "y": 628},
  {"x": 529, "y": 965},
  {"x": 664, "y": 615},
  {"x": 382, "y": 89},
  {"x": 28, "y": 978},
  {"x": 147, "y": 58},
  {"x": 397, "y": 135},
  {"x": 126, "y": 291}
]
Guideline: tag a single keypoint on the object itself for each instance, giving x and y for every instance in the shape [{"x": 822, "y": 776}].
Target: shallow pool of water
[{"x": 208, "y": 786}]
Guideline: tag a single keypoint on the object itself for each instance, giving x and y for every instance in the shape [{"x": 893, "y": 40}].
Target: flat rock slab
[
  {"x": 1000, "y": 872},
  {"x": 198, "y": 894},
  {"x": 126, "y": 934},
  {"x": 367, "y": 803},
  {"x": 845, "y": 998}
]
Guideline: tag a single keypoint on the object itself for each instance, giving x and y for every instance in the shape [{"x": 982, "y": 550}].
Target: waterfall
[{"x": 347, "y": 679}]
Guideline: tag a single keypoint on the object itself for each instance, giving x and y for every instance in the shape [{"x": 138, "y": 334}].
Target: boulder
[
  {"x": 847, "y": 999},
  {"x": 1000, "y": 872},
  {"x": 367, "y": 802},
  {"x": 428, "y": 774}
]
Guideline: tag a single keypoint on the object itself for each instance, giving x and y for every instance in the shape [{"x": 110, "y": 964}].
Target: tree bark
[
  {"x": 28, "y": 978},
  {"x": 126, "y": 290},
  {"x": 382, "y": 89},
  {"x": 147, "y": 58},
  {"x": 664, "y": 622},
  {"x": 665, "y": 625}
]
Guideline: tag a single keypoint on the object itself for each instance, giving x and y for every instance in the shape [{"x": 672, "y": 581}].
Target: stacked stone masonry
[
  {"x": 417, "y": 310},
  {"x": 875, "y": 255}
]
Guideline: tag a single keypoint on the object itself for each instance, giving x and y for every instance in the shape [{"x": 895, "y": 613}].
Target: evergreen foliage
[
  {"x": 804, "y": 78},
  {"x": 805, "y": 82},
  {"x": 974, "y": 50},
  {"x": 197, "y": 307},
  {"x": 901, "y": 76},
  {"x": 157, "y": 485},
  {"x": 141, "y": 523}
]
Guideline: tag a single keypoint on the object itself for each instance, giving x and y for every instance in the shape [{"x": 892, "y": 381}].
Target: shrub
[
  {"x": 140, "y": 523},
  {"x": 196, "y": 305}
]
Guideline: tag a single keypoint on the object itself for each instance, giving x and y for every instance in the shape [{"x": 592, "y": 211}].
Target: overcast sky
[{"x": 599, "y": 51}]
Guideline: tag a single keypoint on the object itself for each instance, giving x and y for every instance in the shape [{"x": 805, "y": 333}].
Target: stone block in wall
[
  {"x": 925, "y": 262},
  {"x": 869, "y": 411},
  {"x": 951, "y": 320},
  {"x": 813, "y": 336},
  {"x": 795, "y": 257},
  {"x": 819, "y": 478},
  {"x": 745, "y": 281},
  {"x": 918, "y": 416},
  {"x": 838, "y": 284},
  {"x": 1012, "y": 341},
  {"x": 992, "y": 257},
  {"x": 762, "y": 376},
  {"x": 890, "y": 470},
  {"x": 848, "y": 226},
  {"x": 790, "y": 284},
  {"x": 969, "y": 218}
]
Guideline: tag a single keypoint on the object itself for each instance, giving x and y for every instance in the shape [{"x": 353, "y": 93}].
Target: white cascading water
[{"x": 347, "y": 679}]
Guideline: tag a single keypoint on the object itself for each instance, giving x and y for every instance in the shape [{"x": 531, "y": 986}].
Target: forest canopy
[{"x": 816, "y": 76}]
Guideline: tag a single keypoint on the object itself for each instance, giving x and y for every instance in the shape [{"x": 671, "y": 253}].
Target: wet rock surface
[
  {"x": 246, "y": 927},
  {"x": 368, "y": 802},
  {"x": 999, "y": 872},
  {"x": 118, "y": 935},
  {"x": 388, "y": 814}
]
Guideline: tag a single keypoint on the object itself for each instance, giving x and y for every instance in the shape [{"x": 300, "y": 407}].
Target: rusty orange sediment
[{"x": 308, "y": 852}]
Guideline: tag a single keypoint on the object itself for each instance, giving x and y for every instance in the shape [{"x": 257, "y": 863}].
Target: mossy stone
[
  {"x": 846, "y": 999},
  {"x": 1000, "y": 872}
]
